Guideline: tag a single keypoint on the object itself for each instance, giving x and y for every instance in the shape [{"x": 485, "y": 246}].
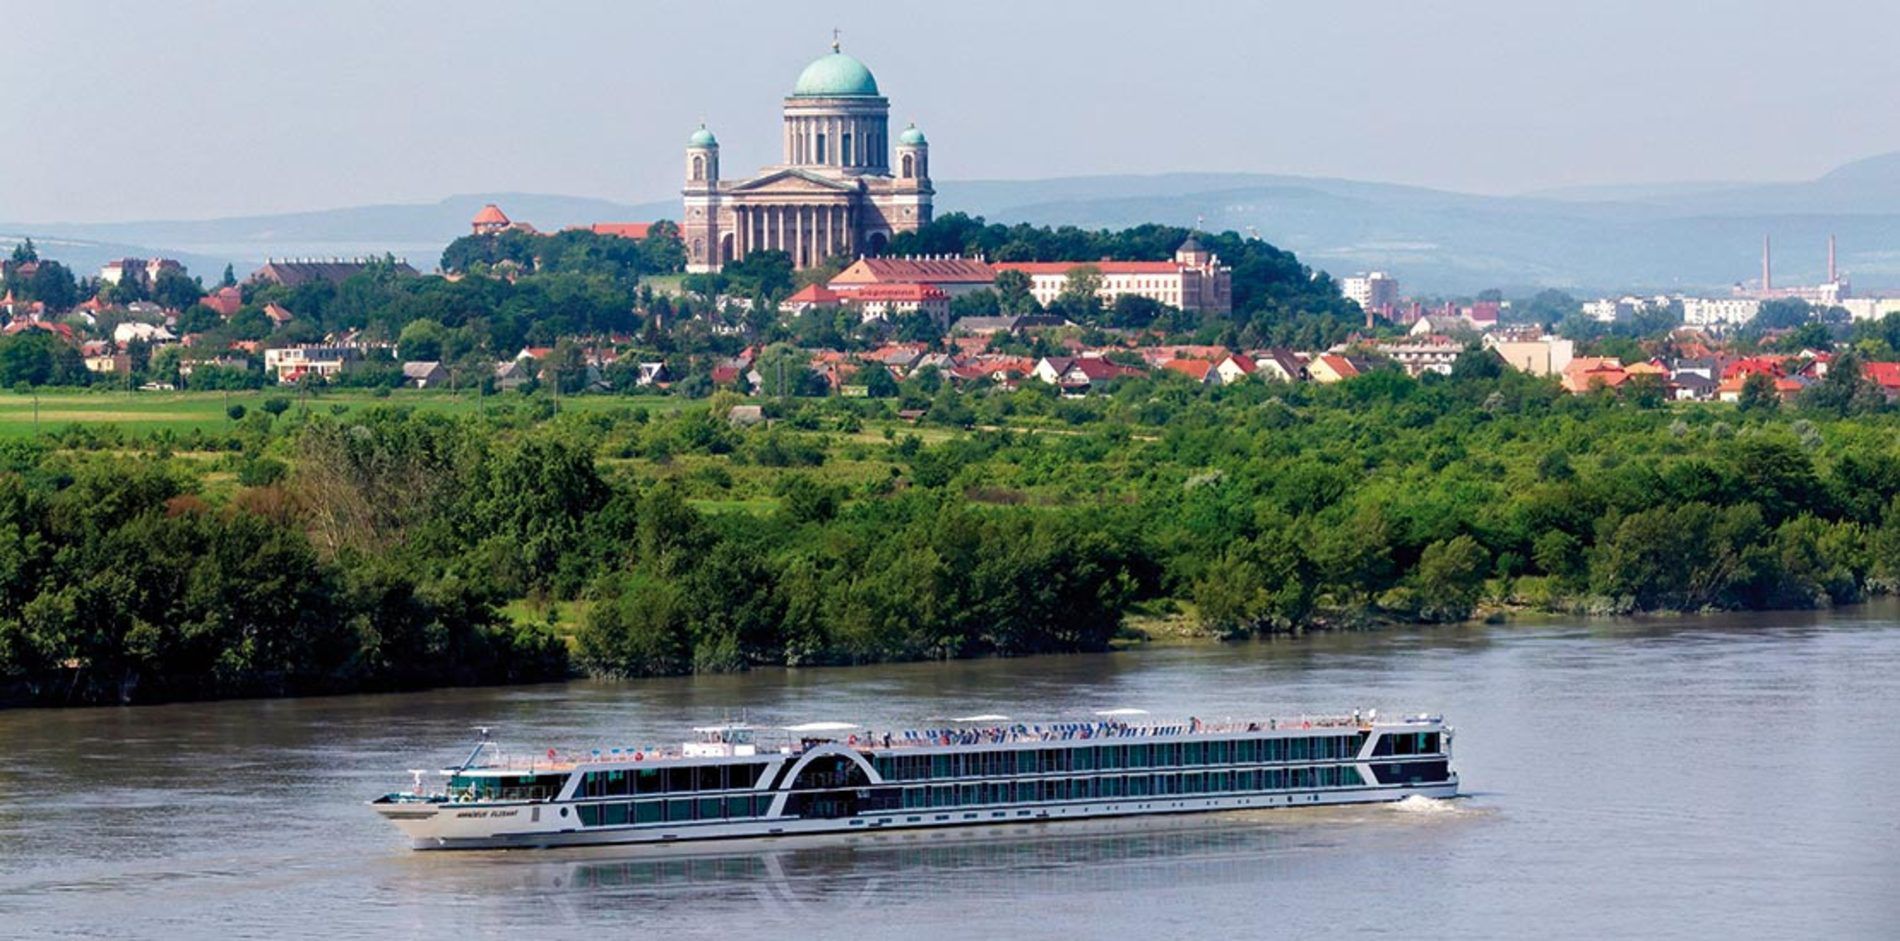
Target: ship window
[
  {"x": 613, "y": 815},
  {"x": 679, "y": 810},
  {"x": 648, "y": 781},
  {"x": 939, "y": 766},
  {"x": 648, "y": 811},
  {"x": 746, "y": 775},
  {"x": 712, "y": 808},
  {"x": 1137, "y": 756},
  {"x": 590, "y": 815},
  {"x": 1218, "y": 753},
  {"x": 1025, "y": 791},
  {"x": 709, "y": 778},
  {"x": 1082, "y": 759},
  {"x": 1192, "y": 753},
  {"x": 969, "y": 794}
]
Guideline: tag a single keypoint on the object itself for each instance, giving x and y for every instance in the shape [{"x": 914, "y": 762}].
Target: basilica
[{"x": 844, "y": 188}]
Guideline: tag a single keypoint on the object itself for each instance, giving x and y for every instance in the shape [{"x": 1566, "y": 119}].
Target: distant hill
[
  {"x": 417, "y": 232},
  {"x": 1694, "y": 236}
]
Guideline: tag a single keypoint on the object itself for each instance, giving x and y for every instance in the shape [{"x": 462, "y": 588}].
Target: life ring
[{"x": 638, "y": 756}]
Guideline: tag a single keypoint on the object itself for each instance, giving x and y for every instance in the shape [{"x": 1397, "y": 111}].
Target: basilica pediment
[{"x": 794, "y": 180}]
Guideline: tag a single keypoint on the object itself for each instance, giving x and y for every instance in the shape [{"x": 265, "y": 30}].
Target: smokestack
[
  {"x": 1833, "y": 274},
  {"x": 1767, "y": 273}
]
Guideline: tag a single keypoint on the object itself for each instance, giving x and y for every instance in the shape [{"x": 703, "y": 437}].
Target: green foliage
[{"x": 1277, "y": 301}]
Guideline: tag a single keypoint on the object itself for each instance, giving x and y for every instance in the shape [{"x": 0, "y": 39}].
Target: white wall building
[
  {"x": 1719, "y": 311},
  {"x": 1373, "y": 291}
]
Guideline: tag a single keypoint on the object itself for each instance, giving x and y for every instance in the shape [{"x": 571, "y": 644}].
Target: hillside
[{"x": 1692, "y": 236}]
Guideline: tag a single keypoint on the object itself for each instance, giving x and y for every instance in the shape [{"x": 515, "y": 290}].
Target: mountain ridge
[{"x": 1665, "y": 236}]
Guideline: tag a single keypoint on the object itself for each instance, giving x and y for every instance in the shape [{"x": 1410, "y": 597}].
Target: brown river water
[{"x": 1716, "y": 777}]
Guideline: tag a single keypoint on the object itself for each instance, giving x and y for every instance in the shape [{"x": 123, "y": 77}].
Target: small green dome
[
  {"x": 835, "y": 76},
  {"x": 912, "y": 137},
  {"x": 702, "y": 138}
]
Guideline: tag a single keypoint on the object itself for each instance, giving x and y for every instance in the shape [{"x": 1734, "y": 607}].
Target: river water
[{"x": 1717, "y": 777}]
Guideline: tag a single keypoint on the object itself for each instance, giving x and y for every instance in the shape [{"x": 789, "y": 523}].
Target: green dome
[
  {"x": 835, "y": 76},
  {"x": 702, "y": 138},
  {"x": 912, "y": 137}
]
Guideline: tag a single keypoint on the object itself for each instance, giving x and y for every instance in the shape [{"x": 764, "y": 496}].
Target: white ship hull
[{"x": 540, "y": 826}]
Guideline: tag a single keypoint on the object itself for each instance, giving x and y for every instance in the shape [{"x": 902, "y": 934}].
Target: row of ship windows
[
  {"x": 1134, "y": 785},
  {"x": 675, "y": 780},
  {"x": 1112, "y": 757},
  {"x": 679, "y": 810},
  {"x": 704, "y": 809}
]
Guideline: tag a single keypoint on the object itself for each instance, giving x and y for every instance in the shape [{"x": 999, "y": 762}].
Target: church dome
[
  {"x": 702, "y": 138},
  {"x": 912, "y": 137},
  {"x": 835, "y": 76}
]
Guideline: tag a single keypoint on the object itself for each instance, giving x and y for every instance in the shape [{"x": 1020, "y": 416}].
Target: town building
[
  {"x": 295, "y": 272},
  {"x": 844, "y": 187},
  {"x": 290, "y": 364},
  {"x": 1540, "y": 356},
  {"x": 952, "y": 274},
  {"x": 1374, "y": 292},
  {"x": 1719, "y": 311},
  {"x": 144, "y": 271},
  {"x": 1195, "y": 280}
]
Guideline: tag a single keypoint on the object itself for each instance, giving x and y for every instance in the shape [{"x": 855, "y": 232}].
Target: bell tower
[{"x": 699, "y": 229}]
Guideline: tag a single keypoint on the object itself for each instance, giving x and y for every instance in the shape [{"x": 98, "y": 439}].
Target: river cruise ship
[{"x": 830, "y": 777}]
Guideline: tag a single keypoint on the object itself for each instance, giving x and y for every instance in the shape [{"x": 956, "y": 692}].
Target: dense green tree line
[
  {"x": 1277, "y": 300},
  {"x": 373, "y": 550}
]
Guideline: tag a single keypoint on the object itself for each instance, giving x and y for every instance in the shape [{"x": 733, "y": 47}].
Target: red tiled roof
[
  {"x": 914, "y": 271},
  {"x": 491, "y": 214},
  {"x": 814, "y": 294},
  {"x": 1105, "y": 267},
  {"x": 626, "y": 230},
  {"x": 1886, "y": 375},
  {"x": 1196, "y": 369}
]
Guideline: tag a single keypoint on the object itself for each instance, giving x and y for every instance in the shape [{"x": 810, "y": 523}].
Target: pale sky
[{"x": 196, "y": 109}]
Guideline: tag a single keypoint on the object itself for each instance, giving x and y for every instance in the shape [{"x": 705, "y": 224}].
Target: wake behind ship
[{"x": 838, "y": 778}]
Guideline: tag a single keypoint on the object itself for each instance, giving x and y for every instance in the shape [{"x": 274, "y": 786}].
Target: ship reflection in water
[{"x": 1027, "y": 860}]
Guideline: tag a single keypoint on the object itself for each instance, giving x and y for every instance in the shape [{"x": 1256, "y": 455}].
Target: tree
[
  {"x": 25, "y": 252},
  {"x": 1758, "y": 394},
  {"x": 230, "y": 277},
  {"x": 879, "y": 383},
  {"x": 53, "y": 284},
  {"x": 421, "y": 339},
  {"x": 1844, "y": 391},
  {"x": 1079, "y": 300},
  {"x": 1450, "y": 579},
  {"x": 1012, "y": 292},
  {"x": 175, "y": 290},
  {"x": 785, "y": 370}
]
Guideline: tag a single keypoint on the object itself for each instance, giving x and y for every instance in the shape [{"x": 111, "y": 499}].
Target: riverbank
[{"x": 394, "y": 545}]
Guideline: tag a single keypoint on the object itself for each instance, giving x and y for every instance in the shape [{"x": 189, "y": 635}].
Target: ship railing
[{"x": 1073, "y": 731}]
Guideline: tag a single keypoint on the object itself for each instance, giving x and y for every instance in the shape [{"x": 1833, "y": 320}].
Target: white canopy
[
  {"x": 823, "y": 727},
  {"x": 1122, "y": 712},
  {"x": 985, "y": 717}
]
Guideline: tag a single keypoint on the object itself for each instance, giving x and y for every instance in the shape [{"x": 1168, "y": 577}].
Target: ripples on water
[{"x": 1704, "y": 778}]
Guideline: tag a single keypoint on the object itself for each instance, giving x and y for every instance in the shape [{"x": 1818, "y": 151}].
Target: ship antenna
[{"x": 480, "y": 744}]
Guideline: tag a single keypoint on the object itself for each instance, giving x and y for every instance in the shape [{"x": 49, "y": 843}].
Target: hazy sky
[{"x": 191, "y": 108}]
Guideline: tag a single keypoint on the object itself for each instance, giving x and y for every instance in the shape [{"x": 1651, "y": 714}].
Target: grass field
[{"x": 25, "y": 415}]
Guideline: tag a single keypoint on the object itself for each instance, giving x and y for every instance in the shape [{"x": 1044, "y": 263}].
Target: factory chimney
[
  {"x": 1767, "y": 273},
  {"x": 1833, "y": 273}
]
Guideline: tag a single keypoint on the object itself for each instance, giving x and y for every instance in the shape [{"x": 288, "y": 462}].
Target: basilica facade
[{"x": 844, "y": 188}]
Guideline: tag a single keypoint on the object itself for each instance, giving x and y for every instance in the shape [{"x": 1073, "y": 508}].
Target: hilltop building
[
  {"x": 293, "y": 272},
  {"x": 1375, "y": 292},
  {"x": 1195, "y": 280},
  {"x": 837, "y": 191}
]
